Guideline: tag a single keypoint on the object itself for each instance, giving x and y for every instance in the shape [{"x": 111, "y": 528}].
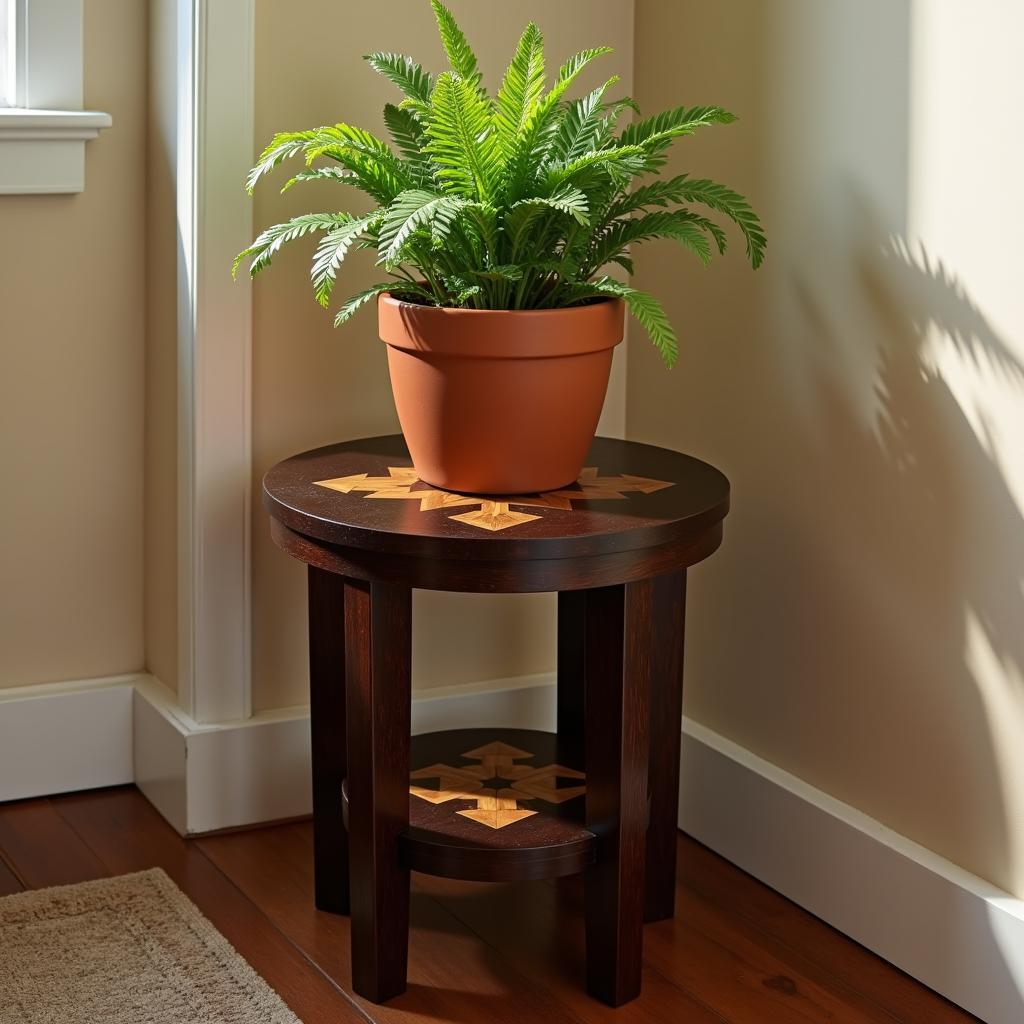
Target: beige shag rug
[{"x": 128, "y": 950}]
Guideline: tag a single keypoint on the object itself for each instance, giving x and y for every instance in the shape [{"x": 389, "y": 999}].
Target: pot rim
[
  {"x": 501, "y": 333},
  {"x": 598, "y": 301}
]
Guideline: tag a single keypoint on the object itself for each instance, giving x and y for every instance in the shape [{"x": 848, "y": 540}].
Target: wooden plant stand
[{"x": 600, "y": 796}]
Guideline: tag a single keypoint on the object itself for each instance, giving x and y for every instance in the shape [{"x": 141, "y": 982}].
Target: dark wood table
[{"x": 600, "y": 795}]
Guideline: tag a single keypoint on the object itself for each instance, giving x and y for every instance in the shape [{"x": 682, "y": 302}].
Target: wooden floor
[{"x": 737, "y": 951}]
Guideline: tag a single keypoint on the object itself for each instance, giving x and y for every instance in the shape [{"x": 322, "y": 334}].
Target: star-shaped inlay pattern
[
  {"x": 403, "y": 484},
  {"x": 497, "y": 807}
]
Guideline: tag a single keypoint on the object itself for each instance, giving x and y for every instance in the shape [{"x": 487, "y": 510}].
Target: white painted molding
[
  {"x": 18, "y": 124},
  {"x": 953, "y": 931},
  {"x": 43, "y": 134},
  {"x": 214, "y": 59},
  {"x": 60, "y": 737},
  {"x": 48, "y": 54},
  {"x": 214, "y": 776},
  {"x": 942, "y": 925}
]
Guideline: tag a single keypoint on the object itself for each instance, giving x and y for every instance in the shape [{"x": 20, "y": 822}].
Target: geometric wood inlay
[
  {"x": 498, "y": 805},
  {"x": 402, "y": 483}
]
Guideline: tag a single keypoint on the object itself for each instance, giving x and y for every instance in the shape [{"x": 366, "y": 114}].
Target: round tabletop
[{"x": 359, "y": 507}]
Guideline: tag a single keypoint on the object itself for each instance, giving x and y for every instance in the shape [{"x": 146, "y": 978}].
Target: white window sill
[{"x": 43, "y": 151}]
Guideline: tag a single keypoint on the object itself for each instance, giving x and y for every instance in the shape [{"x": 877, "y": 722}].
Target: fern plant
[{"x": 519, "y": 201}]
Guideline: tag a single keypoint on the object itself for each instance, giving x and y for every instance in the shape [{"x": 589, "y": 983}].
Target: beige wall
[
  {"x": 863, "y": 625},
  {"x": 313, "y": 385},
  {"x": 71, "y": 453}
]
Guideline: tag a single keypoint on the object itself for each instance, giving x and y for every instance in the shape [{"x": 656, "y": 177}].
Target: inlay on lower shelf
[{"x": 495, "y": 805}]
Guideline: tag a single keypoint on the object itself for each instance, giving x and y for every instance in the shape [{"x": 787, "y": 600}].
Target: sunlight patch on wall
[
  {"x": 1001, "y": 688},
  {"x": 966, "y": 161}
]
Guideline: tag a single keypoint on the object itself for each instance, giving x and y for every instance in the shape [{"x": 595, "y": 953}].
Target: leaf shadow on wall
[{"x": 942, "y": 542}]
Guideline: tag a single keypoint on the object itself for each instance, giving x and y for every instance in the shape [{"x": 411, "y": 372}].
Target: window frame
[
  {"x": 43, "y": 137},
  {"x": 8, "y": 51}
]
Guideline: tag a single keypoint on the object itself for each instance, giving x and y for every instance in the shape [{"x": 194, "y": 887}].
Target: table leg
[
  {"x": 571, "y": 648},
  {"x": 617, "y": 679},
  {"x": 668, "y": 614},
  {"x": 378, "y": 645},
  {"x": 327, "y": 728}
]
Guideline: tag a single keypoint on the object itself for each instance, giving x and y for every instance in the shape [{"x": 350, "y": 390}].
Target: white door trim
[{"x": 215, "y": 58}]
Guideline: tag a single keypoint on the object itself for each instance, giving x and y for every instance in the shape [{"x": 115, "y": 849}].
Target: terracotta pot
[{"x": 499, "y": 401}]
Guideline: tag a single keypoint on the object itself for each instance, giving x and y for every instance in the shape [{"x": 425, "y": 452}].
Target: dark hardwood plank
[
  {"x": 668, "y": 608},
  {"x": 378, "y": 666},
  {"x": 735, "y": 975},
  {"x": 748, "y": 981},
  {"x": 9, "y": 881},
  {"x": 42, "y": 848},
  {"x": 617, "y": 680},
  {"x": 328, "y": 742},
  {"x": 453, "y": 976},
  {"x": 785, "y": 926},
  {"x": 126, "y": 834},
  {"x": 529, "y": 925}
]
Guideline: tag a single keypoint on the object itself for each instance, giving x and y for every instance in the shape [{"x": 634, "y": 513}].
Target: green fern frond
[
  {"x": 329, "y": 173},
  {"x": 690, "y": 234},
  {"x": 270, "y": 240},
  {"x": 734, "y": 206},
  {"x": 533, "y": 146},
  {"x": 404, "y": 72},
  {"x": 347, "y": 136},
  {"x": 481, "y": 220},
  {"x": 673, "y": 123},
  {"x": 681, "y": 225},
  {"x": 657, "y": 193},
  {"x": 621, "y": 160},
  {"x": 580, "y": 129},
  {"x": 414, "y": 209},
  {"x": 382, "y": 177},
  {"x": 462, "y": 142},
  {"x": 521, "y": 89},
  {"x": 655, "y": 322},
  {"x": 567, "y": 200},
  {"x": 644, "y": 307},
  {"x": 571, "y": 201},
  {"x": 523, "y": 215},
  {"x": 354, "y": 303},
  {"x": 407, "y": 133},
  {"x": 625, "y": 262},
  {"x": 281, "y": 147},
  {"x": 620, "y": 106},
  {"x": 568, "y": 72},
  {"x": 333, "y": 248},
  {"x": 456, "y": 48},
  {"x": 713, "y": 229}
]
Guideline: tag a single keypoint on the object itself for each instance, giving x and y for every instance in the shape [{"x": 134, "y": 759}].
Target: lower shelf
[{"x": 495, "y": 805}]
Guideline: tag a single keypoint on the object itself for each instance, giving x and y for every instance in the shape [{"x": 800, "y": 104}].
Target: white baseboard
[
  {"x": 206, "y": 777},
  {"x": 951, "y": 930},
  {"x": 942, "y": 925},
  {"x": 60, "y": 737}
]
